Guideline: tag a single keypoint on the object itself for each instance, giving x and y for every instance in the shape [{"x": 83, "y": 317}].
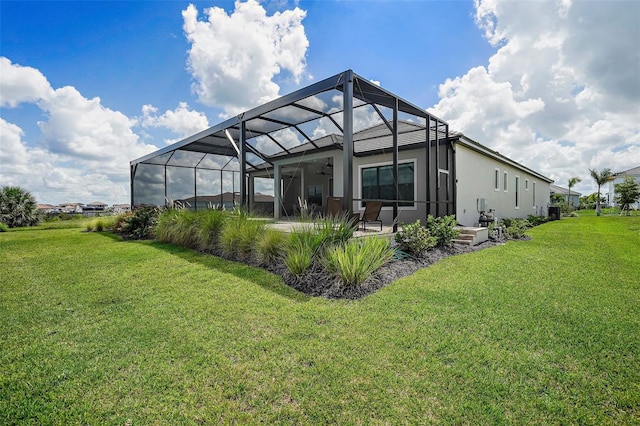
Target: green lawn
[{"x": 95, "y": 330}]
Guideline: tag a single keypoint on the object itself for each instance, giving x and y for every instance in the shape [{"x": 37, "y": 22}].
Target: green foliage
[
  {"x": 557, "y": 199},
  {"x": 355, "y": 261},
  {"x": 138, "y": 224},
  {"x": 537, "y": 220},
  {"x": 627, "y": 192},
  {"x": 299, "y": 256},
  {"x": 600, "y": 178},
  {"x": 514, "y": 229},
  {"x": 272, "y": 246},
  {"x": 210, "y": 225},
  {"x": 415, "y": 239},
  {"x": 335, "y": 229},
  {"x": 304, "y": 246},
  {"x": 589, "y": 201},
  {"x": 443, "y": 228},
  {"x": 178, "y": 226},
  {"x": 3, "y": 227},
  {"x": 18, "y": 207},
  {"x": 239, "y": 235}
]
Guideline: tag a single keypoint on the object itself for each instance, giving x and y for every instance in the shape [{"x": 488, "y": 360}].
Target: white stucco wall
[
  {"x": 476, "y": 180},
  {"x": 611, "y": 189}
]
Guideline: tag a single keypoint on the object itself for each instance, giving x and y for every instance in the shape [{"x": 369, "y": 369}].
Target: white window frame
[
  {"x": 517, "y": 191},
  {"x": 533, "y": 188},
  {"x": 496, "y": 179},
  {"x": 505, "y": 183},
  {"x": 526, "y": 184}
]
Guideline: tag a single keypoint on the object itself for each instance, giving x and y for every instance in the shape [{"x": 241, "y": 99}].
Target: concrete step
[
  {"x": 463, "y": 242},
  {"x": 472, "y": 235},
  {"x": 466, "y": 237}
]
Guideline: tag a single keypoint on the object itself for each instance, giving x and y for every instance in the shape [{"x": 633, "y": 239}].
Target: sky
[{"x": 88, "y": 86}]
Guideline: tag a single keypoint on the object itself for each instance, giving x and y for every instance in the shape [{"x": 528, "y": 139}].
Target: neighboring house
[
  {"x": 573, "y": 199},
  {"x": 121, "y": 208},
  {"x": 71, "y": 207},
  {"x": 344, "y": 137},
  {"x": 619, "y": 178},
  {"x": 48, "y": 208},
  {"x": 96, "y": 206}
]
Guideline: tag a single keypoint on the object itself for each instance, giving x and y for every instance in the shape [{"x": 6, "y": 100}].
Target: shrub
[
  {"x": 335, "y": 229},
  {"x": 18, "y": 207},
  {"x": 304, "y": 245},
  {"x": 415, "y": 239},
  {"x": 178, "y": 226},
  {"x": 443, "y": 229},
  {"x": 355, "y": 261},
  {"x": 210, "y": 226},
  {"x": 238, "y": 236},
  {"x": 298, "y": 257},
  {"x": 3, "y": 227},
  {"x": 99, "y": 225},
  {"x": 272, "y": 246},
  {"x": 537, "y": 220},
  {"x": 516, "y": 228},
  {"x": 139, "y": 224}
]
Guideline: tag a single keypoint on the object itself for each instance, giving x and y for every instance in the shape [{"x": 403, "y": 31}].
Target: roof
[
  {"x": 555, "y": 189},
  {"x": 367, "y": 141},
  {"x": 478, "y": 147},
  {"x": 287, "y": 124},
  {"x": 632, "y": 172}
]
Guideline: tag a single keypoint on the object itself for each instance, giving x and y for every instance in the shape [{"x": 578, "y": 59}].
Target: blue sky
[{"x": 88, "y": 86}]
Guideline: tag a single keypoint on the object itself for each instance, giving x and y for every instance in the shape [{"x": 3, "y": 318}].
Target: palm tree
[
  {"x": 572, "y": 183},
  {"x": 18, "y": 207},
  {"x": 600, "y": 178}
]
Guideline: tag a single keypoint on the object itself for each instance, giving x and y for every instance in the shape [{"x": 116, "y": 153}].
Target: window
[
  {"x": 517, "y": 190},
  {"x": 496, "y": 180},
  {"x": 504, "y": 183},
  {"x": 526, "y": 184},
  {"x": 534, "y": 193},
  {"x": 314, "y": 195},
  {"x": 377, "y": 183}
]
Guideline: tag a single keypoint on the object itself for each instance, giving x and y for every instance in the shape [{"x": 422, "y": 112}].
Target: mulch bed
[{"x": 317, "y": 282}]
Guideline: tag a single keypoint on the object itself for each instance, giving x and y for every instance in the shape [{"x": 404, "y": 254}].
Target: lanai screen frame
[{"x": 229, "y": 138}]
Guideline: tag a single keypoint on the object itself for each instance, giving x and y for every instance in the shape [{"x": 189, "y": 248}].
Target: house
[
  {"x": 572, "y": 198},
  {"x": 619, "y": 178},
  {"x": 342, "y": 137},
  {"x": 71, "y": 207},
  {"x": 96, "y": 206},
  {"x": 47, "y": 208},
  {"x": 482, "y": 180},
  {"x": 121, "y": 208}
]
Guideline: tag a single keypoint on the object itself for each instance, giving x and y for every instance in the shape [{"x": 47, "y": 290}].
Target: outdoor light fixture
[{"x": 226, "y": 132}]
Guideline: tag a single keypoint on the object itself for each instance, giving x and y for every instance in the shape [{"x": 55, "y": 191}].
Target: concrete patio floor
[{"x": 291, "y": 225}]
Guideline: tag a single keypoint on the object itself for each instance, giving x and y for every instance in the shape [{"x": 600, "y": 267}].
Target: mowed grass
[{"x": 95, "y": 330}]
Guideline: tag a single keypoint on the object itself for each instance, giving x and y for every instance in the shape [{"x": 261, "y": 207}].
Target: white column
[{"x": 277, "y": 190}]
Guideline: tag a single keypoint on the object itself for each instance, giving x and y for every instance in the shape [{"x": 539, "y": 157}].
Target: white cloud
[
  {"x": 181, "y": 121},
  {"x": 21, "y": 84},
  {"x": 234, "y": 58},
  {"x": 561, "y": 94},
  {"x": 85, "y": 147}
]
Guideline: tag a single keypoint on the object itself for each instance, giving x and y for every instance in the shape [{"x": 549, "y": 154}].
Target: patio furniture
[
  {"x": 371, "y": 214},
  {"x": 334, "y": 206}
]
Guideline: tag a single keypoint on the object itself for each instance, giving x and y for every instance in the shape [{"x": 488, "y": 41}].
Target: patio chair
[
  {"x": 371, "y": 214},
  {"x": 334, "y": 206}
]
